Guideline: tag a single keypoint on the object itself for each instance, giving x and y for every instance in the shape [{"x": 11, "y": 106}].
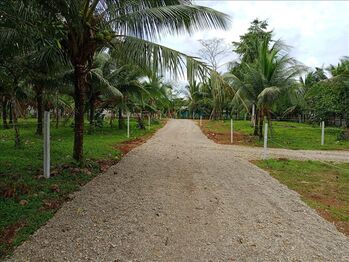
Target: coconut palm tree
[
  {"x": 261, "y": 83},
  {"x": 81, "y": 27}
]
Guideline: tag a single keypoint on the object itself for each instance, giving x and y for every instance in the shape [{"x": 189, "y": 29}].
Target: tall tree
[
  {"x": 263, "y": 81},
  {"x": 128, "y": 26},
  {"x": 248, "y": 46},
  {"x": 213, "y": 51}
]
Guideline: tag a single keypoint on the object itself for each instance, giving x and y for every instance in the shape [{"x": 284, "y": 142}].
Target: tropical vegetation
[
  {"x": 92, "y": 50},
  {"x": 266, "y": 83}
]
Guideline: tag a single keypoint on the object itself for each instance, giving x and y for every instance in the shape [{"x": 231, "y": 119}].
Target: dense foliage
[
  {"x": 96, "y": 52},
  {"x": 267, "y": 83}
]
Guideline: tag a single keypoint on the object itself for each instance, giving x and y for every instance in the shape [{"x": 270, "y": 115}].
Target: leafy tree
[
  {"x": 262, "y": 82},
  {"x": 248, "y": 46},
  {"x": 80, "y": 28}
]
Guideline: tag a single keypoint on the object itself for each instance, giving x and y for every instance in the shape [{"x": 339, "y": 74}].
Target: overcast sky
[{"x": 318, "y": 31}]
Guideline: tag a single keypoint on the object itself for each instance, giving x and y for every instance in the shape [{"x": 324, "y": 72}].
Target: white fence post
[
  {"x": 149, "y": 122},
  {"x": 128, "y": 124},
  {"x": 265, "y": 153},
  {"x": 200, "y": 120},
  {"x": 322, "y": 133},
  {"x": 47, "y": 158},
  {"x": 231, "y": 131},
  {"x": 253, "y": 115}
]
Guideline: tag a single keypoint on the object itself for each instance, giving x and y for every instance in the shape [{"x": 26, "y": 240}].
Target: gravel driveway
[
  {"x": 180, "y": 197},
  {"x": 255, "y": 153}
]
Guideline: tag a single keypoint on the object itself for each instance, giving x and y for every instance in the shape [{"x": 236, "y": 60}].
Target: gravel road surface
[{"x": 180, "y": 197}]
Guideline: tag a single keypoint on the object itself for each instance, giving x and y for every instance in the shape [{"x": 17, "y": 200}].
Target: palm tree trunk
[
  {"x": 121, "y": 121},
  {"x": 79, "y": 99},
  {"x": 112, "y": 117},
  {"x": 10, "y": 114},
  {"x": 261, "y": 120},
  {"x": 92, "y": 112},
  {"x": 57, "y": 111},
  {"x": 57, "y": 117},
  {"x": 40, "y": 109},
  {"x": 14, "y": 122},
  {"x": 256, "y": 122},
  {"x": 260, "y": 131},
  {"x": 140, "y": 122},
  {"x": 4, "y": 113},
  {"x": 270, "y": 123}
]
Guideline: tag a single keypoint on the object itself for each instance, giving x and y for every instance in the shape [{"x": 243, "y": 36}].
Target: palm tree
[
  {"x": 261, "y": 83},
  {"x": 193, "y": 92},
  {"x": 84, "y": 26},
  {"x": 100, "y": 83}
]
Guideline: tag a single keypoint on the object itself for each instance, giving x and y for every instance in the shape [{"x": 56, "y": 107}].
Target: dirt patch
[
  {"x": 127, "y": 146},
  {"x": 9, "y": 233},
  {"x": 342, "y": 226},
  {"x": 52, "y": 204},
  {"x": 224, "y": 138}
]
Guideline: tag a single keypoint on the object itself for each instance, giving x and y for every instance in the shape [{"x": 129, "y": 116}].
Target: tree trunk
[
  {"x": 92, "y": 112},
  {"x": 57, "y": 117},
  {"x": 121, "y": 121},
  {"x": 256, "y": 122},
  {"x": 261, "y": 120},
  {"x": 10, "y": 113},
  {"x": 79, "y": 99},
  {"x": 4, "y": 113},
  {"x": 14, "y": 122},
  {"x": 57, "y": 111},
  {"x": 112, "y": 117},
  {"x": 260, "y": 132},
  {"x": 40, "y": 109},
  {"x": 140, "y": 122},
  {"x": 270, "y": 124}
]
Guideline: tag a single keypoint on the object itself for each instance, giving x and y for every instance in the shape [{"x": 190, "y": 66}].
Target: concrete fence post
[
  {"x": 47, "y": 157},
  {"x": 322, "y": 133},
  {"x": 265, "y": 153},
  {"x": 231, "y": 131},
  {"x": 149, "y": 122},
  {"x": 200, "y": 120},
  {"x": 128, "y": 124},
  {"x": 253, "y": 115}
]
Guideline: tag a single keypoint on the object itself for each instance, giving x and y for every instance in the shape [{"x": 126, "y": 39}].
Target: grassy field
[
  {"x": 27, "y": 200},
  {"x": 323, "y": 187},
  {"x": 284, "y": 134}
]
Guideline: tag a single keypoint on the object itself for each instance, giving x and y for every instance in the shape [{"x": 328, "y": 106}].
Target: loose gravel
[{"x": 180, "y": 197}]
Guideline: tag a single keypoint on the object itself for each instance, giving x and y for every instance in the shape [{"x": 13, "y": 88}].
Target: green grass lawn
[
  {"x": 284, "y": 134},
  {"x": 27, "y": 200},
  {"x": 323, "y": 187}
]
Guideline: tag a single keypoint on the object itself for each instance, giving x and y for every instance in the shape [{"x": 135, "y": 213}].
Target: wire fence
[
  {"x": 312, "y": 159},
  {"x": 281, "y": 144}
]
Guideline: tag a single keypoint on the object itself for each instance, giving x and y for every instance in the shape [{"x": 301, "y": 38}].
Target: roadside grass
[
  {"x": 27, "y": 200},
  {"x": 323, "y": 187},
  {"x": 288, "y": 135}
]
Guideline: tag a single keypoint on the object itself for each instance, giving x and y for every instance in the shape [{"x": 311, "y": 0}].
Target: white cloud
[{"x": 318, "y": 31}]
